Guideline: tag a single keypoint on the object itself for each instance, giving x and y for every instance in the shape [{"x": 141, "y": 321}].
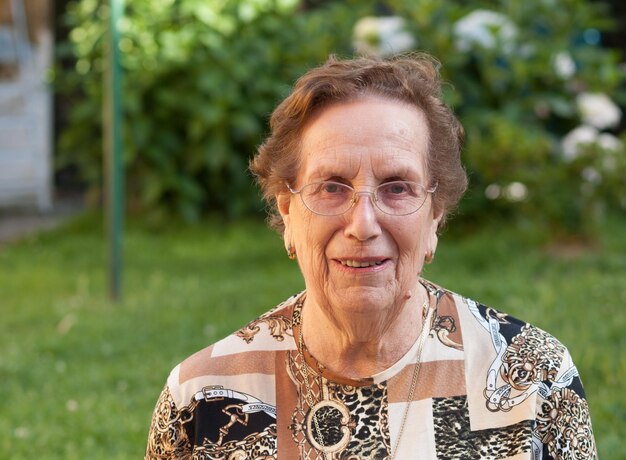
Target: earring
[
  {"x": 428, "y": 258},
  {"x": 291, "y": 252}
]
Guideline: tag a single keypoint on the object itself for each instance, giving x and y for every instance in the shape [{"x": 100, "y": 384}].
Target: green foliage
[
  {"x": 202, "y": 78},
  {"x": 80, "y": 375},
  {"x": 515, "y": 80}
]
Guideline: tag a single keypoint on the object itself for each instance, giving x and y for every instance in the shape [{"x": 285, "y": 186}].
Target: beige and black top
[{"x": 490, "y": 387}]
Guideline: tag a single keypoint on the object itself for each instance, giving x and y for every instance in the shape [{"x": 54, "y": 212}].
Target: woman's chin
[{"x": 363, "y": 300}]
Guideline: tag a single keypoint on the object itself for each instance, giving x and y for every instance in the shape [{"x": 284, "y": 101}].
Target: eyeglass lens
[{"x": 334, "y": 198}]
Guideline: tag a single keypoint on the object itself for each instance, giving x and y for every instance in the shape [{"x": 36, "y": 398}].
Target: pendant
[{"x": 333, "y": 421}]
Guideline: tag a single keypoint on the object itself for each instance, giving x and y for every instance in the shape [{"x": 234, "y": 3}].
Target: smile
[{"x": 359, "y": 264}]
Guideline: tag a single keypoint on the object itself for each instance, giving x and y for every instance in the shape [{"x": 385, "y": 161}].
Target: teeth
[{"x": 357, "y": 264}]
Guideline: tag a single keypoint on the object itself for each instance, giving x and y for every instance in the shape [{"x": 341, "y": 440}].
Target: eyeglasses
[{"x": 397, "y": 198}]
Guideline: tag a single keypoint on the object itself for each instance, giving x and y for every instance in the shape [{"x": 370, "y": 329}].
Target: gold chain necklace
[
  {"x": 309, "y": 392},
  {"x": 420, "y": 346}
]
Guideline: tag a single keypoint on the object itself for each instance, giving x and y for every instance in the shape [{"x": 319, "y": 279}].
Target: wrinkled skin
[{"x": 361, "y": 320}]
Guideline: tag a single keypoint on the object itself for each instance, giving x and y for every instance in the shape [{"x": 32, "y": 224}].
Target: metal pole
[{"x": 113, "y": 152}]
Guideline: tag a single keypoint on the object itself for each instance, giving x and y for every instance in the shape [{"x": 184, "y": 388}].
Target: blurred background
[{"x": 539, "y": 85}]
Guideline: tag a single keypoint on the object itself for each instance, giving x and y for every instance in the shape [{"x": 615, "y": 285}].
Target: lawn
[{"x": 79, "y": 375}]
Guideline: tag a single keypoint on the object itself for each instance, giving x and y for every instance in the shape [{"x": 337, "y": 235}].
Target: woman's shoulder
[
  {"x": 495, "y": 341},
  {"x": 475, "y": 315},
  {"x": 246, "y": 358},
  {"x": 516, "y": 376},
  {"x": 511, "y": 328},
  {"x": 511, "y": 355}
]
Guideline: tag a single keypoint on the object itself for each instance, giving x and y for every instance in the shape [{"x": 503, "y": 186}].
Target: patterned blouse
[{"x": 489, "y": 387}]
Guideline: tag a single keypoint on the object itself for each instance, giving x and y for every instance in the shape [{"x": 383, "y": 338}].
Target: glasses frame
[{"x": 355, "y": 196}]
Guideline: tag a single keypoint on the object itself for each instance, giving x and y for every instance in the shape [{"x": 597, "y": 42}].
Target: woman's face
[{"x": 363, "y": 261}]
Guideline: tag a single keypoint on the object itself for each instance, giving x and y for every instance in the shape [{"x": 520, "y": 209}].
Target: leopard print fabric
[
  {"x": 368, "y": 413},
  {"x": 564, "y": 426},
  {"x": 455, "y": 440}
]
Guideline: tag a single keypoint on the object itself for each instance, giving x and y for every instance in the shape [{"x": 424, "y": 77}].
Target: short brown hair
[{"x": 412, "y": 79}]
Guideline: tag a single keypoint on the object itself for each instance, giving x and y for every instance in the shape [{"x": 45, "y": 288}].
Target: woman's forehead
[
  {"x": 380, "y": 165},
  {"x": 388, "y": 117},
  {"x": 385, "y": 137}
]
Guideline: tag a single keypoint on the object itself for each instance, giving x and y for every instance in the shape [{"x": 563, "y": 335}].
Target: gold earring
[
  {"x": 291, "y": 252},
  {"x": 428, "y": 258}
]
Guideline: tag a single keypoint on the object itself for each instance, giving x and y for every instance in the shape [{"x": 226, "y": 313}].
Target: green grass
[{"x": 79, "y": 375}]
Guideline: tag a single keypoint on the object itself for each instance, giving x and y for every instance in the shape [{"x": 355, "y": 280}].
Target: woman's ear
[
  {"x": 437, "y": 216},
  {"x": 434, "y": 237},
  {"x": 283, "y": 202}
]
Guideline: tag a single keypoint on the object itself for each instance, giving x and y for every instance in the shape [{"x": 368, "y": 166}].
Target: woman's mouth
[{"x": 361, "y": 263}]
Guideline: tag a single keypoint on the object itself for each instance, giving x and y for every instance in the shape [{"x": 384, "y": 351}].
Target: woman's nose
[{"x": 362, "y": 218}]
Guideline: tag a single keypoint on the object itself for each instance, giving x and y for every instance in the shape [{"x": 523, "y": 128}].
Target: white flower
[
  {"x": 516, "y": 191},
  {"x": 582, "y": 135},
  {"x": 486, "y": 29},
  {"x": 382, "y": 36},
  {"x": 585, "y": 135},
  {"x": 598, "y": 110},
  {"x": 564, "y": 65},
  {"x": 493, "y": 191},
  {"x": 610, "y": 142}
]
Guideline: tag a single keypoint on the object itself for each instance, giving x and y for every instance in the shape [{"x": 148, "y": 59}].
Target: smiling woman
[
  {"x": 361, "y": 267},
  {"x": 371, "y": 361}
]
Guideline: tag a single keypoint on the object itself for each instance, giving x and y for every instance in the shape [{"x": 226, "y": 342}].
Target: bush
[
  {"x": 525, "y": 76},
  {"x": 528, "y": 79},
  {"x": 201, "y": 79}
]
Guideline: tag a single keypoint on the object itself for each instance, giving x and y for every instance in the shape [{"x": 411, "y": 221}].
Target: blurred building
[{"x": 26, "y": 51}]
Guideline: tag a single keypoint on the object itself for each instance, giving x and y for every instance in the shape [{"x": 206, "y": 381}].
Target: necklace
[
  {"x": 426, "y": 320},
  {"x": 309, "y": 393}
]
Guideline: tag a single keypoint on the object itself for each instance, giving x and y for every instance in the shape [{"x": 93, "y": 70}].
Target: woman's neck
[{"x": 360, "y": 346}]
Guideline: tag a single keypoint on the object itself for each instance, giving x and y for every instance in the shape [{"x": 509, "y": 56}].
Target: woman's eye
[
  {"x": 397, "y": 188},
  {"x": 331, "y": 187}
]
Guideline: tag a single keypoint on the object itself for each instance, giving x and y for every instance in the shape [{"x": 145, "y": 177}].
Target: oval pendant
[{"x": 333, "y": 418}]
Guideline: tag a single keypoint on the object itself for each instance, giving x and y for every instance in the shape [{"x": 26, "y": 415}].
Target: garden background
[{"x": 539, "y": 234}]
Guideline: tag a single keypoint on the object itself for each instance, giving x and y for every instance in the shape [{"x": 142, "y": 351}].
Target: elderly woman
[{"x": 372, "y": 361}]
